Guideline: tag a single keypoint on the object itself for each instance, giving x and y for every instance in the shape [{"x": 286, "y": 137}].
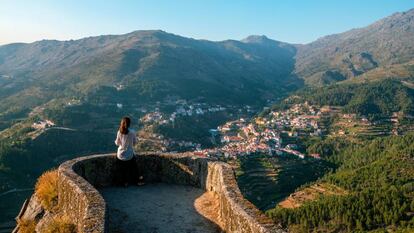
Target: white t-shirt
[{"x": 125, "y": 143}]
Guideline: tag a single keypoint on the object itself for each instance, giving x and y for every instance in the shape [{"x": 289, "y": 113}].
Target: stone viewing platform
[
  {"x": 161, "y": 207},
  {"x": 183, "y": 193}
]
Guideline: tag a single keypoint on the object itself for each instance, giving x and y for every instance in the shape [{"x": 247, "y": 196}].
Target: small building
[{"x": 315, "y": 156}]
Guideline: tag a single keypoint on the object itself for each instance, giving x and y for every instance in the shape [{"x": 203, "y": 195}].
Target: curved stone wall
[{"x": 80, "y": 200}]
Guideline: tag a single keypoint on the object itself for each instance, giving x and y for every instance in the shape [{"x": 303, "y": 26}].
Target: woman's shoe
[{"x": 141, "y": 181}]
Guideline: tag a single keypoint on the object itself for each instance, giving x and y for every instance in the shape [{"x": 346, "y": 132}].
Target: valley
[{"x": 320, "y": 135}]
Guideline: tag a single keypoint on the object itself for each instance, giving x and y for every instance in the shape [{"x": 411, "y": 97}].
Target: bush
[
  {"x": 26, "y": 226},
  {"x": 46, "y": 189},
  {"x": 60, "y": 225}
]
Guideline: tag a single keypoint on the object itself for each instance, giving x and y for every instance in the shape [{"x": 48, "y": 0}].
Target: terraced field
[
  {"x": 266, "y": 180},
  {"x": 310, "y": 193},
  {"x": 358, "y": 128}
]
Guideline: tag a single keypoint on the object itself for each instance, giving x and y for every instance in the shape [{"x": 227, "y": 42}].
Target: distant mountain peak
[
  {"x": 149, "y": 32},
  {"x": 408, "y": 12},
  {"x": 259, "y": 39}
]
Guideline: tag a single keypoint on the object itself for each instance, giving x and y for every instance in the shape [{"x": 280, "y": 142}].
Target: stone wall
[
  {"x": 80, "y": 200},
  {"x": 237, "y": 213}
]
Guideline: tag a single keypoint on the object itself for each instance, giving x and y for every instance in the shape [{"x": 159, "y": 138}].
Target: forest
[
  {"x": 379, "y": 176},
  {"x": 373, "y": 100}
]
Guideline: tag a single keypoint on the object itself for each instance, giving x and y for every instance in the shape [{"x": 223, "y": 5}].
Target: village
[
  {"x": 269, "y": 134},
  {"x": 169, "y": 112},
  {"x": 272, "y": 134},
  {"x": 182, "y": 108},
  {"x": 276, "y": 133}
]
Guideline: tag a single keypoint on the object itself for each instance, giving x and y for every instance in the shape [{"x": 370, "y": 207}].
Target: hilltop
[{"x": 385, "y": 43}]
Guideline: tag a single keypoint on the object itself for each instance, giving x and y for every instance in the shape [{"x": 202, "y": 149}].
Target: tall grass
[
  {"x": 60, "y": 225},
  {"x": 46, "y": 189}
]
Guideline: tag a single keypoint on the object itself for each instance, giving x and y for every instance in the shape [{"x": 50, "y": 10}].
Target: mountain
[
  {"x": 378, "y": 50},
  {"x": 151, "y": 66},
  {"x": 145, "y": 66},
  {"x": 85, "y": 86}
]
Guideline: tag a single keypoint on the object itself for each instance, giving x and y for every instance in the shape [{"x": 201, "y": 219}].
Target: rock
[
  {"x": 31, "y": 210},
  {"x": 34, "y": 210}
]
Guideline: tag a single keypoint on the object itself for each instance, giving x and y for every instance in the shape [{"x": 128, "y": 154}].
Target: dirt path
[{"x": 161, "y": 208}]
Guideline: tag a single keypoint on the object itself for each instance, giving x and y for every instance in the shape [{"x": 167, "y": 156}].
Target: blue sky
[{"x": 294, "y": 21}]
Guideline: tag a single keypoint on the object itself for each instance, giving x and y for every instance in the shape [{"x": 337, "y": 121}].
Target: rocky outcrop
[
  {"x": 31, "y": 210},
  {"x": 80, "y": 199}
]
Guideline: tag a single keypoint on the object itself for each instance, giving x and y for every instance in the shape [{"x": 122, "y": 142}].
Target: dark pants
[{"x": 127, "y": 172}]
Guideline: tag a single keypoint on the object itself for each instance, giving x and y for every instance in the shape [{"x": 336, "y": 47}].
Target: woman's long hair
[{"x": 124, "y": 126}]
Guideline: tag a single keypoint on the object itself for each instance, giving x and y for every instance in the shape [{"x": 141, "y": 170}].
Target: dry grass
[
  {"x": 26, "y": 226},
  {"x": 60, "y": 225},
  {"x": 46, "y": 189}
]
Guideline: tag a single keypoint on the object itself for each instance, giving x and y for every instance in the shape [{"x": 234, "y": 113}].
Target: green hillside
[
  {"x": 144, "y": 66},
  {"x": 380, "y": 98},
  {"x": 379, "y": 176}
]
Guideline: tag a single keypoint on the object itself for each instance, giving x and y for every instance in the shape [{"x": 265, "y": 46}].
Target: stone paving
[{"x": 161, "y": 208}]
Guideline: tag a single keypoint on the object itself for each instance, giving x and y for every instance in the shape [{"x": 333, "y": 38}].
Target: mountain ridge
[
  {"x": 155, "y": 63},
  {"x": 327, "y": 60},
  {"x": 341, "y": 56}
]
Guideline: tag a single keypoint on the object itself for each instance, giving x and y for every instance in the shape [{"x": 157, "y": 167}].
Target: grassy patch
[
  {"x": 26, "y": 226},
  {"x": 60, "y": 225},
  {"x": 46, "y": 189}
]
